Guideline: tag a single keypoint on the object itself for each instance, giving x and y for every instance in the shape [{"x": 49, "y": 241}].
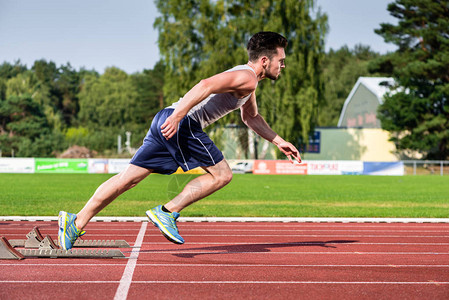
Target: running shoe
[
  {"x": 68, "y": 233},
  {"x": 166, "y": 222}
]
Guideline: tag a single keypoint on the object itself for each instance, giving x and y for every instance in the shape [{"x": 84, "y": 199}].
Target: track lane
[{"x": 250, "y": 260}]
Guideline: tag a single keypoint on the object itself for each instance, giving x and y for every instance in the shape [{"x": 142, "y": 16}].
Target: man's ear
[{"x": 265, "y": 60}]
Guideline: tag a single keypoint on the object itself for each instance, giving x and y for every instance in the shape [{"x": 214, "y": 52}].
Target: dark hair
[{"x": 265, "y": 43}]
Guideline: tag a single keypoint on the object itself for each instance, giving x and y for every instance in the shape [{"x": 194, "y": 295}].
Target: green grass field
[{"x": 246, "y": 195}]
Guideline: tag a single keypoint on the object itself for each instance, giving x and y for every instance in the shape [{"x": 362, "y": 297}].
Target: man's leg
[
  {"x": 71, "y": 225},
  {"x": 164, "y": 217},
  {"x": 217, "y": 177},
  {"x": 109, "y": 190}
]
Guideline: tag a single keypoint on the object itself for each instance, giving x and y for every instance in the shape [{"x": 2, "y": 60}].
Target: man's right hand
[{"x": 170, "y": 127}]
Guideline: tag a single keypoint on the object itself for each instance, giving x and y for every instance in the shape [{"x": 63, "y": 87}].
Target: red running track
[{"x": 242, "y": 261}]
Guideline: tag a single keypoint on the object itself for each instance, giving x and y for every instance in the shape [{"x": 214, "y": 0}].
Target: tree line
[{"x": 46, "y": 108}]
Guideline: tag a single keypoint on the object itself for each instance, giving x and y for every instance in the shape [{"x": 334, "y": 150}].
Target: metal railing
[{"x": 426, "y": 167}]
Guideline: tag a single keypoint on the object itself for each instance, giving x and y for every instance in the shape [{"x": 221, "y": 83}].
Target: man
[{"x": 176, "y": 139}]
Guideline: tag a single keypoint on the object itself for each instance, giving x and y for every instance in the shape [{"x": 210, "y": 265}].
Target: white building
[
  {"x": 359, "y": 135},
  {"x": 360, "y": 108}
]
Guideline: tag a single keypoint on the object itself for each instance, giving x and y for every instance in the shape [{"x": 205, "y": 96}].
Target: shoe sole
[
  {"x": 156, "y": 222},
  {"x": 62, "y": 224}
]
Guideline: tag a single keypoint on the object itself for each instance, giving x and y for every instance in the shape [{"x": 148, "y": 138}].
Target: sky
[{"x": 102, "y": 33}]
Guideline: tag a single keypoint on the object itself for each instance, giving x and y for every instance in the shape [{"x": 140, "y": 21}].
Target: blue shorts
[{"x": 189, "y": 148}]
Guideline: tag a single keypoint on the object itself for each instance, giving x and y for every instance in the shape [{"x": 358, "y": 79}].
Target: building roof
[{"x": 377, "y": 85}]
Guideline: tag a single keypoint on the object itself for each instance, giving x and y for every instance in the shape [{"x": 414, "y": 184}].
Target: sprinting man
[{"x": 176, "y": 139}]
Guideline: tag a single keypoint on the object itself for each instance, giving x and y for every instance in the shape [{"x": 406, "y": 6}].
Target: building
[
  {"x": 360, "y": 108},
  {"x": 359, "y": 135}
]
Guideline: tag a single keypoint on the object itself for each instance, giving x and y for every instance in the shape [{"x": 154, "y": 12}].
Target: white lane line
[
  {"x": 307, "y": 230},
  {"x": 288, "y": 235},
  {"x": 87, "y": 229},
  {"x": 309, "y": 225},
  {"x": 331, "y": 236},
  {"x": 236, "y": 282},
  {"x": 293, "y": 282},
  {"x": 252, "y": 230},
  {"x": 231, "y": 265},
  {"x": 311, "y": 243},
  {"x": 125, "y": 282},
  {"x": 56, "y": 281},
  {"x": 318, "y": 235},
  {"x": 136, "y": 226},
  {"x": 290, "y": 253},
  {"x": 295, "y": 266},
  {"x": 244, "y": 219},
  {"x": 106, "y": 264},
  {"x": 247, "y": 228}
]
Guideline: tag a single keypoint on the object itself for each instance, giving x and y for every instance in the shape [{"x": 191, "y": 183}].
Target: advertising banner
[
  {"x": 336, "y": 167},
  {"x": 279, "y": 167},
  {"x": 384, "y": 168},
  {"x": 16, "y": 165},
  {"x": 98, "y": 165},
  {"x": 55, "y": 165},
  {"x": 117, "y": 165}
]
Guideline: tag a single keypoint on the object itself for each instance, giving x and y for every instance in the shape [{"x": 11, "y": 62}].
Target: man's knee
[
  {"x": 225, "y": 176},
  {"x": 221, "y": 173},
  {"x": 125, "y": 183}
]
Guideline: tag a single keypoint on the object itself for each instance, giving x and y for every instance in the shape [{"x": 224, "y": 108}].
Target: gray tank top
[{"x": 216, "y": 105}]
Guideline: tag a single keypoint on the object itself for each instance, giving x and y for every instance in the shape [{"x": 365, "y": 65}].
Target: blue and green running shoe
[
  {"x": 166, "y": 222},
  {"x": 68, "y": 233}
]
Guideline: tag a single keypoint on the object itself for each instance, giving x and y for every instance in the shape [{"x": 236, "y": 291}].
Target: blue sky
[{"x": 102, "y": 33}]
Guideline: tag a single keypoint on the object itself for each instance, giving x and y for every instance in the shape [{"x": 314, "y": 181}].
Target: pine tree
[{"x": 417, "y": 112}]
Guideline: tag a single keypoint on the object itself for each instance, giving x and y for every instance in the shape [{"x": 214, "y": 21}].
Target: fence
[{"x": 426, "y": 167}]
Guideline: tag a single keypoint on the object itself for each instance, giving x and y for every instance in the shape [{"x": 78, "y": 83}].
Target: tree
[
  {"x": 48, "y": 106},
  {"x": 341, "y": 70},
  {"x": 8, "y": 71},
  {"x": 21, "y": 84},
  {"x": 66, "y": 87},
  {"x": 105, "y": 100},
  {"x": 55, "y": 90},
  {"x": 199, "y": 38},
  {"x": 110, "y": 104},
  {"x": 25, "y": 130},
  {"x": 417, "y": 112},
  {"x": 149, "y": 98}
]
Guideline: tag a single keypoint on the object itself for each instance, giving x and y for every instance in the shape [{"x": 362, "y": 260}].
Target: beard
[{"x": 270, "y": 75}]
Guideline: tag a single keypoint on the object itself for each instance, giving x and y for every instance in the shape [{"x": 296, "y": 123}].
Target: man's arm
[
  {"x": 256, "y": 122},
  {"x": 241, "y": 82}
]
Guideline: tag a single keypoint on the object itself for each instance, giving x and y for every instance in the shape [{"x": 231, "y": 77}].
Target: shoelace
[
  {"x": 76, "y": 235},
  {"x": 170, "y": 220},
  {"x": 81, "y": 234}
]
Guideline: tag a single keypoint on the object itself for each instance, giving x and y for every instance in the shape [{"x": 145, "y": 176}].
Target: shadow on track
[{"x": 248, "y": 248}]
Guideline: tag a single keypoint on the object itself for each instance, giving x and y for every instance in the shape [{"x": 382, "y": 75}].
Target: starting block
[
  {"x": 34, "y": 238},
  {"x": 38, "y": 246},
  {"x": 7, "y": 251}
]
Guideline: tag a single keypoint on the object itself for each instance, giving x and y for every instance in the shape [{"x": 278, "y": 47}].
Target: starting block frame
[
  {"x": 37, "y": 246},
  {"x": 7, "y": 251},
  {"x": 35, "y": 237}
]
